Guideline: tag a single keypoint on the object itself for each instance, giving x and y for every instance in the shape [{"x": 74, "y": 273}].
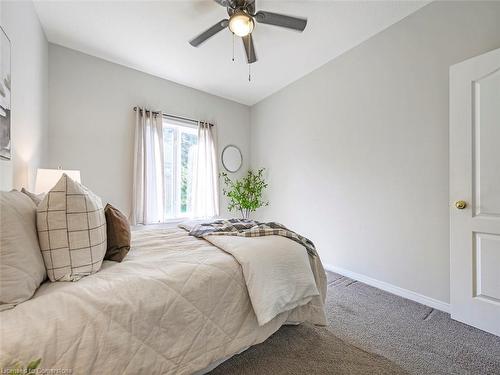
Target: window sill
[
  {"x": 171, "y": 223},
  {"x": 166, "y": 224}
]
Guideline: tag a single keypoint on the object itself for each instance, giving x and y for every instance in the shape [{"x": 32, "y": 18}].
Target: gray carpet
[
  {"x": 418, "y": 338},
  {"x": 306, "y": 349},
  {"x": 372, "y": 332}
]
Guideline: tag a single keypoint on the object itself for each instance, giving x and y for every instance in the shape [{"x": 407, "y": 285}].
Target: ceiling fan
[{"x": 241, "y": 22}]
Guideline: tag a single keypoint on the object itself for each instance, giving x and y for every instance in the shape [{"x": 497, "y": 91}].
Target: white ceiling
[{"x": 152, "y": 36}]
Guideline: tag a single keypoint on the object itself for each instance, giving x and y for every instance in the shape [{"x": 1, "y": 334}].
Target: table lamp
[{"x": 47, "y": 178}]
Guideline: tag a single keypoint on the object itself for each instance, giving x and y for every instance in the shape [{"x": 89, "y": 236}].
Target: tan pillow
[
  {"x": 36, "y": 198},
  {"x": 118, "y": 234},
  {"x": 71, "y": 230},
  {"x": 21, "y": 264}
]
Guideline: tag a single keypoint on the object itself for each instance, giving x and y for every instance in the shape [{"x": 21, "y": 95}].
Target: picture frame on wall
[{"x": 5, "y": 96}]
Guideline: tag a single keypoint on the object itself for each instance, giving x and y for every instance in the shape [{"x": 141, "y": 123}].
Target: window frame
[{"x": 179, "y": 127}]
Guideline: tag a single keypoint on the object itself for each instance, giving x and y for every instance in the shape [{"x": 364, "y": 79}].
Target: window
[{"x": 180, "y": 142}]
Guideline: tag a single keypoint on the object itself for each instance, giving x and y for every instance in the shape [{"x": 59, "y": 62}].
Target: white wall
[
  {"x": 29, "y": 123},
  {"x": 357, "y": 151},
  {"x": 92, "y": 121}
]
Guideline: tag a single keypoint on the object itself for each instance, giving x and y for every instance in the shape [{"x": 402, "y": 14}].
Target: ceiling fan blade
[
  {"x": 219, "y": 26},
  {"x": 282, "y": 20},
  {"x": 249, "y": 48},
  {"x": 224, "y": 3},
  {"x": 250, "y": 5}
]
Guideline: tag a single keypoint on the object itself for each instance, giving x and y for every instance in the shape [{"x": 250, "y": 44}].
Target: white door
[{"x": 475, "y": 191}]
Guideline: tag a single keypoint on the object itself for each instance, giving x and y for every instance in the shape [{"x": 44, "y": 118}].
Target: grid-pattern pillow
[{"x": 71, "y": 230}]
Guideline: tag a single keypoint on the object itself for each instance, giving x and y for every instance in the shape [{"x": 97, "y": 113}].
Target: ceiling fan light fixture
[{"x": 241, "y": 24}]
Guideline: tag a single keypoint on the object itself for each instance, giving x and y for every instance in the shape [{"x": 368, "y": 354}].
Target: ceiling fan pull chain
[
  {"x": 233, "y": 47},
  {"x": 249, "y": 73}
]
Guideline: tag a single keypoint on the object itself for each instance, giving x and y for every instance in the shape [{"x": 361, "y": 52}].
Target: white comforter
[
  {"x": 276, "y": 271},
  {"x": 175, "y": 305}
]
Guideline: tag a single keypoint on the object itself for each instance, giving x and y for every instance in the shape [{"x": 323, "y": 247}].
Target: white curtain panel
[
  {"x": 205, "y": 190},
  {"x": 148, "y": 185}
]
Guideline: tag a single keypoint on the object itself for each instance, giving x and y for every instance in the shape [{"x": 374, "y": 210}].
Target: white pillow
[
  {"x": 36, "y": 198},
  {"x": 71, "y": 230},
  {"x": 21, "y": 264}
]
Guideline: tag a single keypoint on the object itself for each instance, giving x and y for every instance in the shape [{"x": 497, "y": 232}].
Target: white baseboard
[{"x": 405, "y": 293}]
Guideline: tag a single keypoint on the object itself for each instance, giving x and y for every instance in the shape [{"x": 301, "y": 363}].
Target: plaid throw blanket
[{"x": 250, "y": 228}]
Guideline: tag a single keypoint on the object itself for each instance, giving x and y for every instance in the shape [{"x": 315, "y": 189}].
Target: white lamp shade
[
  {"x": 47, "y": 178},
  {"x": 241, "y": 24}
]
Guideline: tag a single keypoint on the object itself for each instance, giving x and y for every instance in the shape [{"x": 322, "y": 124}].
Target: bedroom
[{"x": 363, "y": 115}]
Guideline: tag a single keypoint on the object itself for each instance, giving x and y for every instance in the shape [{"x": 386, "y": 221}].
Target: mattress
[{"x": 175, "y": 305}]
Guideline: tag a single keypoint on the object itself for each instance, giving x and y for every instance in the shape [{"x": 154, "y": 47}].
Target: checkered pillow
[{"x": 71, "y": 230}]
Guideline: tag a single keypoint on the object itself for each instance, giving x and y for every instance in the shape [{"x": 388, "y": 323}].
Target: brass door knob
[{"x": 460, "y": 204}]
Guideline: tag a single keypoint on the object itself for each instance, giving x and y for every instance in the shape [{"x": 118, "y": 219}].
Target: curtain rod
[{"x": 173, "y": 116}]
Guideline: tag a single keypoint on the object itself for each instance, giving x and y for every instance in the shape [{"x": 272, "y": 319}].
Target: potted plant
[
  {"x": 18, "y": 368},
  {"x": 245, "y": 194}
]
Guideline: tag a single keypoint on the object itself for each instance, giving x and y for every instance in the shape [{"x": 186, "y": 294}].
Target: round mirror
[{"x": 232, "y": 158}]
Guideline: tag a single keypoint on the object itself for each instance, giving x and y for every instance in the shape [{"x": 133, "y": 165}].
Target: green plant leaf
[
  {"x": 245, "y": 195},
  {"x": 33, "y": 365}
]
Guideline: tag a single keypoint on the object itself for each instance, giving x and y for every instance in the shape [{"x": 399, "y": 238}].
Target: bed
[{"x": 175, "y": 305}]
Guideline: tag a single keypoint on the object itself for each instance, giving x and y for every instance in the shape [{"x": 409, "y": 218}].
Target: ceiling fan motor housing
[{"x": 241, "y": 5}]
